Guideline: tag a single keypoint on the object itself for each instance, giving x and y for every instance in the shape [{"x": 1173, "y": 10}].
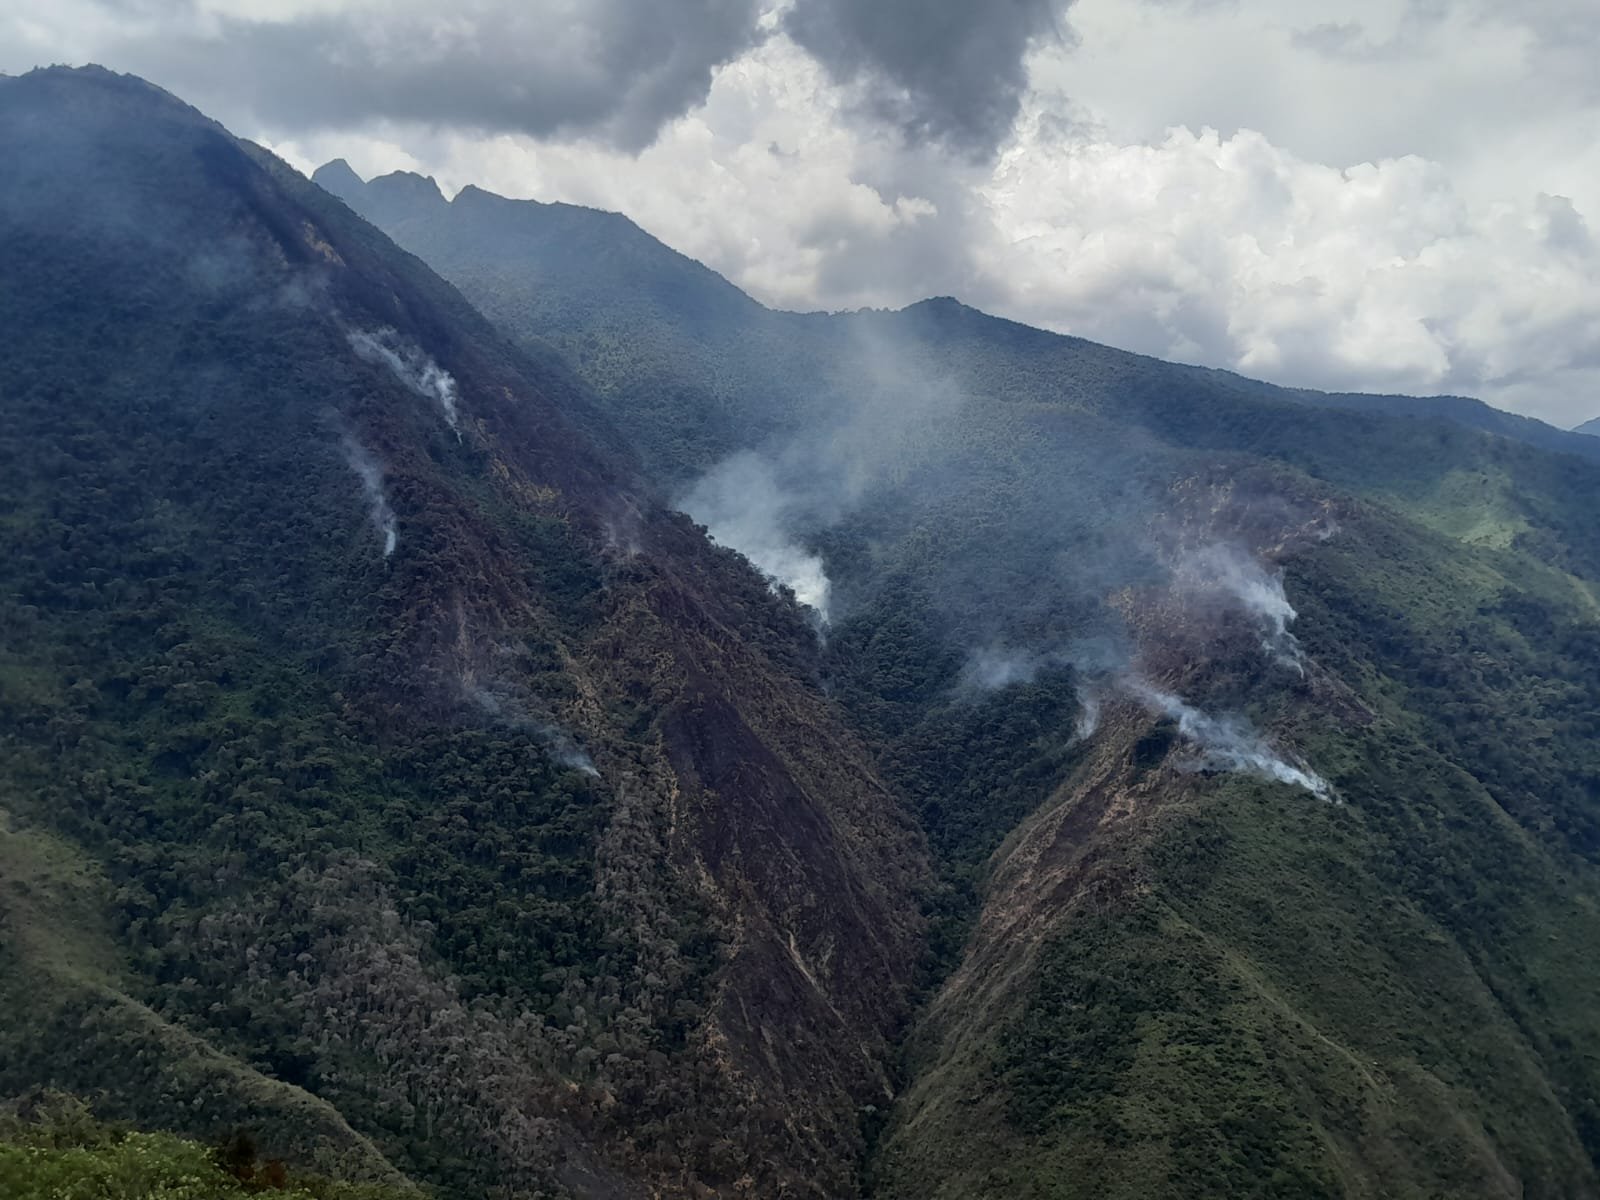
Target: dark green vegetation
[
  {"x": 304, "y": 838},
  {"x": 1141, "y": 979}
]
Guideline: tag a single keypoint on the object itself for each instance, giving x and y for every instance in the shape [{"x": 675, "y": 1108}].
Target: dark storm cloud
[
  {"x": 945, "y": 70},
  {"x": 616, "y": 69}
]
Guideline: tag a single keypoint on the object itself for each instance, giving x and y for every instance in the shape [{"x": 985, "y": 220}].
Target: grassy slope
[
  {"x": 67, "y": 989},
  {"x": 1252, "y": 993},
  {"x": 54, "y": 1149}
]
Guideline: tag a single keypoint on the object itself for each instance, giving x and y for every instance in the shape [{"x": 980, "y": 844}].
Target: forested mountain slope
[
  {"x": 382, "y": 767},
  {"x": 1253, "y": 733}
]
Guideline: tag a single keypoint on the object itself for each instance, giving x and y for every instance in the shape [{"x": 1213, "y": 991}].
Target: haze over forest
[{"x": 1007, "y": 606}]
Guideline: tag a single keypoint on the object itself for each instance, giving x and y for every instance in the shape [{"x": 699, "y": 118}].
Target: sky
[{"x": 1390, "y": 195}]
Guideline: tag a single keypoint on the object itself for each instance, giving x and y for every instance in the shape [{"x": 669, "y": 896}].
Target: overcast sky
[{"x": 1389, "y": 195}]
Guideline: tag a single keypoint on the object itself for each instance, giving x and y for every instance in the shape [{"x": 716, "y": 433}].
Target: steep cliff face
[{"x": 433, "y": 781}]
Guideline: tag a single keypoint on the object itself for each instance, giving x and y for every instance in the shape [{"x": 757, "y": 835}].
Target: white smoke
[
  {"x": 558, "y": 743},
  {"x": 1226, "y": 743},
  {"x": 995, "y": 667},
  {"x": 742, "y": 506},
  {"x": 563, "y": 747},
  {"x": 412, "y": 367},
  {"x": 1088, "y": 716},
  {"x": 1229, "y": 571},
  {"x": 370, "y": 473}
]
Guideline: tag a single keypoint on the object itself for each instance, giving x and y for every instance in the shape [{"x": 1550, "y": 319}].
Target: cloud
[
  {"x": 1232, "y": 252},
  {"x": 616, "y": 70},
  {"x": 948, "y": 70},
  {"x": 613, "y": 70},
  {"x": 1226, "y": 250}
]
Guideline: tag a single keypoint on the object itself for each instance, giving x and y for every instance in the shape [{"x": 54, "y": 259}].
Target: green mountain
[
  {"x": 383, "y": 768},
  {"x": 1224, "y": 907},
  {"x": 1082, "y": 776}
]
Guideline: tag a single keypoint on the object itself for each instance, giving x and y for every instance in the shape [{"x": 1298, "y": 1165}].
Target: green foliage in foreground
[{"x": 62, "y": 1153}]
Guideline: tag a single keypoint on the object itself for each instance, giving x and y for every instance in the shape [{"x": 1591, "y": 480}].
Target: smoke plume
[
  {"x": 560, "y": 745},
  {"x": 370, "y": 473},
  {"x": 742, "y": 506},
  {"x": 1088, "y": 715},
  {"x": 996, "y": 667},
  {"x": 564, "y": 748},
  {"x": 1230, "y": 572},
  {"x": 412, "y": 367},
  {"x": 877, "y": 426},
  {"x": 1225, "y": 743}
]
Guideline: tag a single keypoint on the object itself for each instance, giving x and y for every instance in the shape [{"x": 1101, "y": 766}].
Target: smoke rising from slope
[
  {"x": 741, "y": 505},
  {"x": 370, "y": 473},
  {"x": 996, "y": 667},
  {"x": 411, "y": 366},
  {"x": 1088, "y": 721},
  {"x": 1027, "y": 533},
  {"x": 861, "y": 431},
  {"x": 560, "y": 745},
  {"x": 1226, "y": 743},
  {"x": 1233, "y": 574}
]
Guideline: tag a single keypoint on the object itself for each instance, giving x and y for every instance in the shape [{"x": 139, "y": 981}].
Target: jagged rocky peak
[
  {"x": 396, "y": 197},
  {"x": 339, "y": 178}
]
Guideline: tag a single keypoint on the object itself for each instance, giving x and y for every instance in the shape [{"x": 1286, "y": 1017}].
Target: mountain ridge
[{"x": 1466, "y": 411}]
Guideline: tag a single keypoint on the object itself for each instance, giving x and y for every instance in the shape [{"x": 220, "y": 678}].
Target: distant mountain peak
[
  {"x": 409, "y": 187},
  {"x": 1591, "y": 427},
  {"x": 339, "y": 179},
  {"x": 397, "y": 196}
]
